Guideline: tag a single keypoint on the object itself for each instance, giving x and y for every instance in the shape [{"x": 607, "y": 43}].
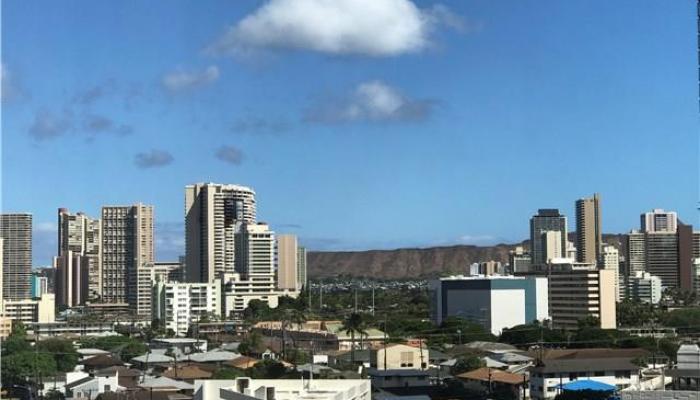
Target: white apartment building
[
  {"x": 213, "y": 213},
  {"x": 282, "y": 389},
  {"x": 180, "y": 304},
  {"x": 644, "y": 287},
  {"x": 82, "y": 235},
  {"x": 610, "y": 259}
]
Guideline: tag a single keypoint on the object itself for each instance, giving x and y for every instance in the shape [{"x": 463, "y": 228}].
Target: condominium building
[
  {"x": 127, "y": 244},
  {"x": 494, "y": 302},
  {"x": 661, "y": 252},
  {"x": 552, "y": 245},
  {"x": 72, "y": 279},
  {"x": 167, "y": 271},
  {"x": 283, "y": 389},
  {"x": 238, "y": 291},
  {"x": 589, "y": 234},
  {"x": 40, "y": 285},
  {"x": 610, "y": 260},
  {"x": 81, "y": 235},
  {"x": 636, "y": 252},
  {"x": 180, "y": 304},
  {"x": 255, "y": 245},
  {"x": 213, "y": 213},
  {"x": 644, "y": 287},
  {"x": 287, "y": 262},
  {"x": 659, "y": 220},
  {"x": 581, "y": 290},
  {"x": 302, "y": 281},
  {"x": 545, "y": 220},
  {"x": 16, "y": 232}
]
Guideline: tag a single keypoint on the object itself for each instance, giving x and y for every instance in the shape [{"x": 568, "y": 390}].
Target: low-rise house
[
  {"x": 100, "y": 361},
  {"x": 399, "y": 356},
  {"x": 152, "y": 359},
  {"x": 242, "y": 362},
  {"x": 213, "y": 357},
  {"x": 554, "y": 368},
  {"x": 185, "y": 345},
  {"x": 398, "y": 378},
  {"x": 189, "y": 372},
  {"x": 165, "y": 383},
  {"x": 126, "y": 377},
  {"x": 89, "y": 387},
  {"x": 283, "y": 389},
  {"x": 59, "y": 381},
  {"x": 496, "y": 380}
]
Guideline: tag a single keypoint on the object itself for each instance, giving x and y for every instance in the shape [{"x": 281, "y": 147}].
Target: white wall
[{"x": 507, "y": 309}]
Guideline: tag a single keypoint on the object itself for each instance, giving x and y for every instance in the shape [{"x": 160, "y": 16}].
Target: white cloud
[
  {"x": 9, "y": 87},
  {"x": 179, "y": 81},
  {"x": 370, "y": 101},
  {"x": 360, "y": 27}
]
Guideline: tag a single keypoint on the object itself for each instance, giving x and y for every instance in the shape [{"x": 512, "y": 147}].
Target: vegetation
[
  {"x": 352, "y": 325},
  {"x": 125, "y": 347},
  {"x": 467, "y": 364}
]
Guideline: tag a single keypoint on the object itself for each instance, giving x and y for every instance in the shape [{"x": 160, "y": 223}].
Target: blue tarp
[{"x": 588, "y": 384}]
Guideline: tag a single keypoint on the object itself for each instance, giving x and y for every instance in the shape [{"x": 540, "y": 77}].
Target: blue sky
[{"x": 360, "y": 124}]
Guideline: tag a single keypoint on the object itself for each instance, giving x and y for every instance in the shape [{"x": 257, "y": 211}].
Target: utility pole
[{"x": 372, "y": 299}]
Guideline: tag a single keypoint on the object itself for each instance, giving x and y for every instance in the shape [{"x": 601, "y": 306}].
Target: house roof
[
  {"x": 91, "y": 352},
  {"x": 242, "y": 362},
  {"x": 587, "y": 384},
  {"x": 165, "y": 382},
  {"x": 123, "y": 371},
  {"x": 101, "y": 360},
  {"x": 493, "y": 375},
  {"x": 396, "y": 372},
  {"x": 492, "y": 363},
  {"x": 188, "y": 372},
  {"x": 213, "y": 356},
  {"x": 80, "y": 382},
  {"x": 593, "y": 353},
  {"x": 142, "y": 395},
  {"x": 490, "y": 346},
  {"x": 153, "y": 358},
  {"x": 512, "y": 357},
  {"x": 586, "y": 365}
]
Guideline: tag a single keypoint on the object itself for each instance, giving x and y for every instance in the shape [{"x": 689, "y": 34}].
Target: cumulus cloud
[
  {"x": 354, "y": 27},
  {"x": 260, "y": 125},
  {"x": 369, "y": 101},
  {"x": 229, "y": 154},
  {"x": 153, "y": 159},
  {"x": 180, "y": 81},
  {"x": 48, "y": 125},
  {"x": 96, "y": 124}
]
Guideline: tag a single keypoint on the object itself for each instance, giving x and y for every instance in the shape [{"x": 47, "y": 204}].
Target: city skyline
[{"x": 480, "y": 115}]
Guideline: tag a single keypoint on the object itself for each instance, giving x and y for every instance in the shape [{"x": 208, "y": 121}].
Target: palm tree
[{"x": 353, "y": 324}]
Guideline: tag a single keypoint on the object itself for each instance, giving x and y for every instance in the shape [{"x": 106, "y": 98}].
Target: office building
[
  {"x": 255, "y": 247},
  {"x": 644, "y": 287},
  {"x": 495, "y": 302},
  {"x": 545, "y": 220},
  {"x": 658, "y": 220},
  {"x": 167, "y": 271},
  {"x": 519, "y": 260},
  {"x": 40, "y": 285},
  {"x": 72, "y": 279},
  {"x": 127, "y": 244},
  {"x": 81, "y": 235},
  {"x": 16, "y": 231},
  {"x": 661, "y": 252},
  {"x": 610, "y": 260},
  {"x": 581, "y": 290},
  {"x": 302, "y": 281},
  {"x": 213, "y": 213},
  {"x": 180, "y": 304},
  {"x": 589, "y": 234},
  {"x": 570, "y": 250},
  {"x": 287, "y": 262}
]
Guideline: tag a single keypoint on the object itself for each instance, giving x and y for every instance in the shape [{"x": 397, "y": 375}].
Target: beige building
[
  {"x": 577, "y": 291},
  {"x": 589, "y": 236},
  {"x": 72, "y": 281},
  {"x": 552, "y": 245},
  {"x": 213, "y": 213},
  {"x": 16, "y": 230},
  {"x": 127, "y": 245},
  {"x": 81, "y": 235},
  {"x": 42, "y": 309},
  {"x": 287, "y": 262},
  {"x": 399, "y": 356},
  {"x": 610, "y": 260}
]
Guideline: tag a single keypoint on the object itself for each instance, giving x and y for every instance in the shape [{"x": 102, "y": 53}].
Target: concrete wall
[{"x": 660, "y": 395}]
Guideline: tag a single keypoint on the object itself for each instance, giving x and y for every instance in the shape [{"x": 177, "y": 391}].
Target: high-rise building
[
  {"x": 81, "y": 235},
  {"x": 302, "y": 281},
  {"x": 610, "y": 260},
  {"x": 287, "y": 262},
  {"x": 180, "y": 304},
  {"x": 545, "y": 220},
  {"x": 255, "y": 245},
  {"x": 644, "y": 287},
  {"x": 658, "y": 220},
  {"x": 662, "y": 257},
  {"x": 212, "y": 215},
  {"x": 127, "y": 244},
  {"x": 16, "y": 230},
  {"x": 636, "y": 252},
  {"x": 589, "y": 234},
  {"x": 552, "y": 245},
  {"x": 72, "y": 279},
  {"x": 40, "y": 285}
]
